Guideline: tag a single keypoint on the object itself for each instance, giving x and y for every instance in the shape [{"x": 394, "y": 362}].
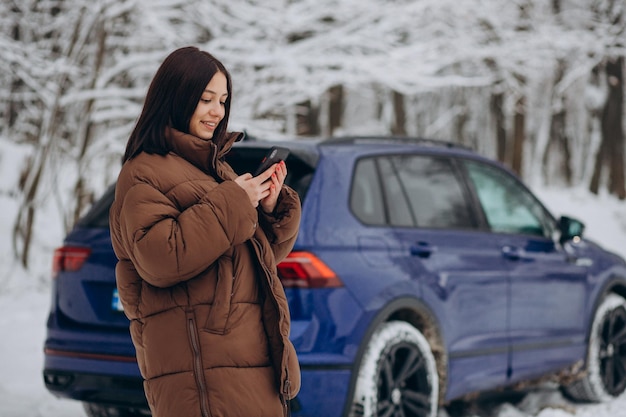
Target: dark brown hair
[{"x": 172, "y": 98}]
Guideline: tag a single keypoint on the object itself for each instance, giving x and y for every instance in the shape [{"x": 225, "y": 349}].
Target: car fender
[
  {"x": 615, "y": 283},
  {"x": 418, "y": 314}
]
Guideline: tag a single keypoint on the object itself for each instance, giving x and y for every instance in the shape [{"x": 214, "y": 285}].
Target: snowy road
[{"x": 22, "y": 393}]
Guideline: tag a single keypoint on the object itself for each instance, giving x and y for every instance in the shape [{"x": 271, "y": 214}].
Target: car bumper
[
  {"x": 323, "y": 392},
  {"x": 119, "y": 383},
  {"x": 81, "y": 377}
]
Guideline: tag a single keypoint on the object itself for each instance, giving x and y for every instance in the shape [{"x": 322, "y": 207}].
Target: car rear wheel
[
  {"x": 606, "y": 361},
  {"x": 397, "y": 375},
  {"x": 99, "y": 410}
]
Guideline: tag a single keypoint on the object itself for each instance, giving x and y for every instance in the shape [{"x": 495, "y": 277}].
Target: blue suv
[{"x": 423, "y": 273}]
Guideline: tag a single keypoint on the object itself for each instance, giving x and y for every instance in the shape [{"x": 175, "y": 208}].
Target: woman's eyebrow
[{"x": 213, "y": 92}]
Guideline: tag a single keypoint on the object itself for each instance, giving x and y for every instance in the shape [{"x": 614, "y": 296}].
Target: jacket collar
[{"x": 204, "y": 154}]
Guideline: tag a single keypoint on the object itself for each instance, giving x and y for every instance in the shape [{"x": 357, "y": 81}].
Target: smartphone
[{"x": 274, "y": 155}]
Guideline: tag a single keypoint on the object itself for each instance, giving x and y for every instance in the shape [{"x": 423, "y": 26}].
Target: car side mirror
[{"x": 571, "y": 229}]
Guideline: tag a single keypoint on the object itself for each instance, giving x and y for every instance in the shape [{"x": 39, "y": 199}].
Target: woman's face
[{"x": 210, "y": 109}]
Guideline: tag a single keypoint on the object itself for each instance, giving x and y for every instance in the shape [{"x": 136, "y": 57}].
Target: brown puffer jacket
[{"x": 197, "y": 278}]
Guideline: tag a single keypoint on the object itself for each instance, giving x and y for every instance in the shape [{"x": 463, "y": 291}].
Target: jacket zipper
[
  {"x": 198, "y": 369},
  {"x": 286, "y": 394}
]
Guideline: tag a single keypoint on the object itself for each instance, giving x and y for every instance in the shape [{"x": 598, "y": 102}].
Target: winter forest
[{"x": 537, "y": 84}]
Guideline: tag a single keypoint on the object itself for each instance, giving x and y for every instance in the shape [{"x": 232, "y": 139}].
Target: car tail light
[
  {"x": 305, "y": 270},
  {"x": 69, "y": 258}
]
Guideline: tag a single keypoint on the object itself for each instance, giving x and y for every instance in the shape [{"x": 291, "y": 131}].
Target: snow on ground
[
  {"x": 23, "y": 312},
  {"x": 22, "y": 392}
]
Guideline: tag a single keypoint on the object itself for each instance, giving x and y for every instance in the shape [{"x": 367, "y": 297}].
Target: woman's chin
[{"x": 204, "y": 135}]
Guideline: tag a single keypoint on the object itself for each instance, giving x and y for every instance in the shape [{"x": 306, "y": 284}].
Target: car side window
[
  {"x": 508, "y": 206},
  {"x": 434, "y": 193},
  {"x": 366, "y": 199},
  {"x": 398, "y": 207},
  {"x": 417, "y": 191}
]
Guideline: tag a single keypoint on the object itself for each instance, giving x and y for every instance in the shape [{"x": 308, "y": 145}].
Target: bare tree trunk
[
  {"x": 23, "y": 226},
  {"x": 594, "y": 184},
  {"x": 335, "y": 108},
  {"x": 399, "y": 120},
  {"x": 497, "y": 100},
  {"x": 613, "y": 126},
  {"x": 460, "y": 123},
  {"x": 307, "y": 119},
  {"x": 558, "y": 142},
  {"x": 519, "y": 136},
  {"x": 22, "y": 229},
  {"x": 611, "y": 149},
  {"x": 83, "y": 197},
  {"x": 16, "y": 84}
]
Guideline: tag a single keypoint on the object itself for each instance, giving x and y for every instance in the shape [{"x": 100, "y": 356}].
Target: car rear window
[
  {"x": 300, "y": 168},
  {"x": 98, "y": 214},
  {"x": 243, "y": 159}
]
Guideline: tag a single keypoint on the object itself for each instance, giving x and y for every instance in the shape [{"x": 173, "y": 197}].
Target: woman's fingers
[
  {"x": 265, "y": 175},
  {"x": 281, "y": 172},
  {"x": 254, "y": 188},
  {"x": 265, "y": 187}
]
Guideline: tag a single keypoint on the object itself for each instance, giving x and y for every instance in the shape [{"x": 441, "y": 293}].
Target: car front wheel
[
  {"x": 397, "y": 375},
  {"x": 606, "y": 360}
]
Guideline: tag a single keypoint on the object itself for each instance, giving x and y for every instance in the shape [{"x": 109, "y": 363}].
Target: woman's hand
[
  {"x": 265, "y": 187},
  {"x": 257, "y": 187},
  {"x": 277, "y": 179}
]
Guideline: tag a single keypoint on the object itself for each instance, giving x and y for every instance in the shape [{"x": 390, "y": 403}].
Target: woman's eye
[
  {"x": 223, "y": 103},
  {"x": 205, "y": 100}
]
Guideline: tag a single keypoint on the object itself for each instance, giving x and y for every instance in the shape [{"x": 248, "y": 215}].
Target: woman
[{"x": 197, "y": 246}]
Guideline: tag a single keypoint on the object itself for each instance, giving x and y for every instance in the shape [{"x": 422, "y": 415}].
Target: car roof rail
[{"x": 355, "y": 140}]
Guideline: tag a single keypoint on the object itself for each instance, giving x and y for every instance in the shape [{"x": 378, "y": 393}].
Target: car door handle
[
  {"x": 422, "y": 249},
  {"x": 514, "y": 253}
]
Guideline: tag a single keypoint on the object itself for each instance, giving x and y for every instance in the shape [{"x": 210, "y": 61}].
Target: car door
[
  {"x": 547, "y": 286},
  {"x": 461, "y": 271}
]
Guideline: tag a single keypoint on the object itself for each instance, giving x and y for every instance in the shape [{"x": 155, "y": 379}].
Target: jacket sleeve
[
  {"x": 168, "y": 246},
  {"x": 281, "y": 226}
]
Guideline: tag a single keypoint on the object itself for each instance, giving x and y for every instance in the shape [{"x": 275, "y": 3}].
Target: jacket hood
[{"x": 204, "y": 154}]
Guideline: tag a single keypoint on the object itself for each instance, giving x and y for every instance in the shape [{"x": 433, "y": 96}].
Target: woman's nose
[{"x": 217, "y": 110}]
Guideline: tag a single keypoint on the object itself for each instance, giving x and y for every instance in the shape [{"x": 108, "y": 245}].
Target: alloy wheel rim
[
  {"x": 612, "y": 353},
  {"x": 403, "y": 386}
]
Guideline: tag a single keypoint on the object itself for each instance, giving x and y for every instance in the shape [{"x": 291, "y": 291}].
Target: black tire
[
  {"x": 397, "y": 375},
  {"x": 99, "y": 410},
  {"x": 606, "y": 357}
]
